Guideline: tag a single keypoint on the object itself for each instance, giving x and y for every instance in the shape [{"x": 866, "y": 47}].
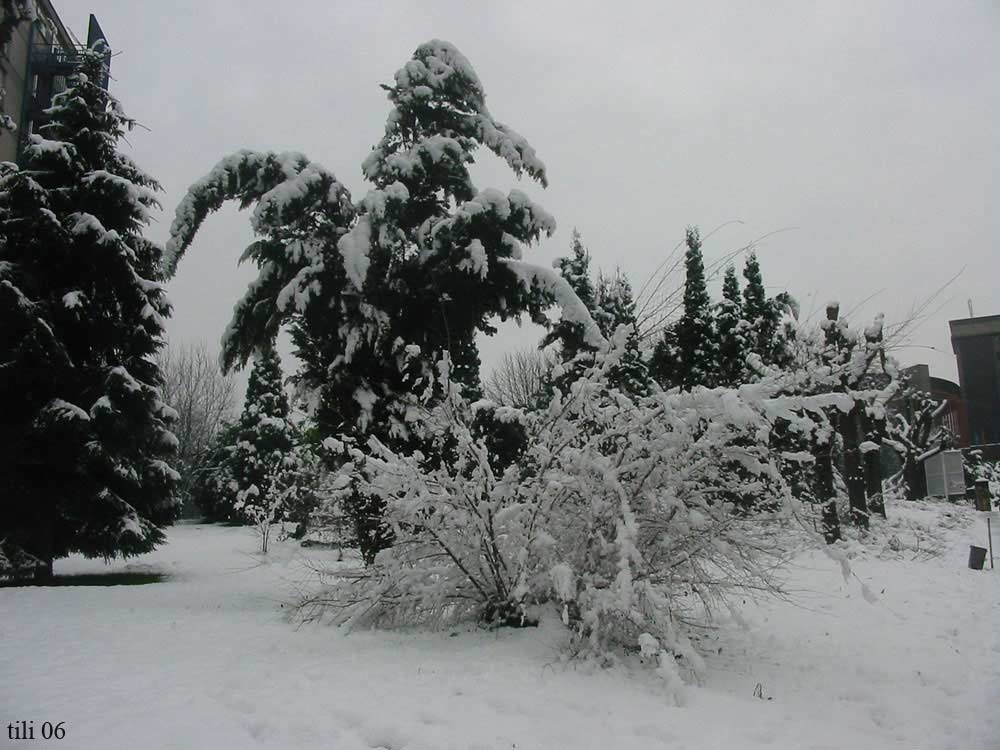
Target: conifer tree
[
  {"x": 272, "y": 468},
  {"x": 571, "y": 335},
  {"x": 85, "y": 436},
  {"x": 378, "y": 291},
  {"x": 615, "y": 307},
  {"x": 665, "y": 363},
  {"x": 761, "y": 312},
  {"x": 696, "y": 342},
  {"x": 263, "y": 436},
  {"x": 732, "y": 332}
]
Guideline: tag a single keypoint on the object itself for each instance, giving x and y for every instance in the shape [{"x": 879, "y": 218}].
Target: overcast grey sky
[{"x": 870, "y": 128}]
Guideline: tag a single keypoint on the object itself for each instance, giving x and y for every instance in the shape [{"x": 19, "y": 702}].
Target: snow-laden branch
[
  {"x": 551, "y": 282},
  {"x": 281, "y": 184}
]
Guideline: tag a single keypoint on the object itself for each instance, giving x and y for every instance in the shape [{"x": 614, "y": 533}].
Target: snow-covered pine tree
[
  {"x": 614, "y": 306},
  {"x": 732, "y": 330},
  {"x": 376, "y": 291},
  {"x": 665, "y": 362},
  {"x": 761, "y": 312},
  {"x": 697, "y": 348},
  {"x": 571, "y": 335},
  {"x": 264, "y": 437},
  {"x": 85, "y": 437}
]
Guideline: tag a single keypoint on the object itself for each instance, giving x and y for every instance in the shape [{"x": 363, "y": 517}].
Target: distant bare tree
[
  {"x": 520, "y": 378},
  {"x": 204, "y": 398}
]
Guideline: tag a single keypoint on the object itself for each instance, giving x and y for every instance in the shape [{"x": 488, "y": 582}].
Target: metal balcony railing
[{"x": 55, "y": 59}]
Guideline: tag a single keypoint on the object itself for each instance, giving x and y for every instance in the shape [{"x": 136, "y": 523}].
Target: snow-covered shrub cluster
[{"x": 616, "y": 513}]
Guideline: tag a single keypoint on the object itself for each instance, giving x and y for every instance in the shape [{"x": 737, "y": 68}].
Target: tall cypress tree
[
  {"x": 762, "y": 313},
  {"x": 732, "y": 332},
  {"x": 696, "y": 342},
  {"x": 85, "y": 435}
]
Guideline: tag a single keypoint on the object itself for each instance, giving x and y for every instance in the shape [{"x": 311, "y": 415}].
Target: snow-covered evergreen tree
[
  {"x": 377, "y": 290},
  {"x": 571, "y": 335},
  {"x": 85, "y": 438},
  {"x": 732, "y": 330},
  {"x": 614, "y": 306},
  {"x": 293, "y": 481},
  {"x": 264, "y": 438},
  {"x": 686, "y": 355},
  {"x": 763, "y": 313},
  {"x": 665, "y": 362}
]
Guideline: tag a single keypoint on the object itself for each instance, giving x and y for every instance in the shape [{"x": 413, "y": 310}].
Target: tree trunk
[
  {"x": 850, "y": 430},
  {"x": 44, "y": 571},
  {"x": 916, "y": 480},
  {"x": 872, "y": 460},
  {"x": 873, "y": 481},
  {"x": 46, "y": 545},
  {"x": 824, "y": 489}
]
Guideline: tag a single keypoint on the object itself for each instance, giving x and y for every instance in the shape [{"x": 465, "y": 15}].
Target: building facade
[
  {"x": 976, "y": 343},
  {"x": 34, "y": 64}
]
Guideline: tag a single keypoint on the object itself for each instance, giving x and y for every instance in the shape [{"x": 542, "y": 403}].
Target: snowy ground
[{"x": 205, "y": 659}]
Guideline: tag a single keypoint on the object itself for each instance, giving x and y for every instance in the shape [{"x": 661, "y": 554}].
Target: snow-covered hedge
[{"x": 618, "y": 513}]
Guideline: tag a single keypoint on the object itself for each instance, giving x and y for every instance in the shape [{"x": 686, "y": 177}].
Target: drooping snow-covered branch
[
  {"x": 284, "y": 186},
  {"x": 550, "y": 282}
]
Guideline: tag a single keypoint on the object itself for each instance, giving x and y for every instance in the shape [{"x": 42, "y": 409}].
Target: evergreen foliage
[
  {"x": 614, "y": 307},
  {"x": 264, "y": 435},
  {"x": 732, "y": 332},
  {"x": 261, "y": 470},
  {"x": 85, "y": 438},
  {"x": 686, "y": 355},
  {"x": 763, "y": 314},
  {"x": 377, "y": 290},
  {"x": 571, "y": 335}
]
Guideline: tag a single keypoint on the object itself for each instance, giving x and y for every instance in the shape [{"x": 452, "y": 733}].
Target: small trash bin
[{"x": 977, "y": 556}]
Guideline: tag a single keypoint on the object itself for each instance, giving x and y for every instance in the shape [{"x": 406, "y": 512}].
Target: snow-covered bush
[
  {"x": 616, "y": 513},
  {"x": 292, "y": 481}
]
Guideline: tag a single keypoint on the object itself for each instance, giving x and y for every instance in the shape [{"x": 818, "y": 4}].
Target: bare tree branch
[{"x": 204, "y": 398}]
